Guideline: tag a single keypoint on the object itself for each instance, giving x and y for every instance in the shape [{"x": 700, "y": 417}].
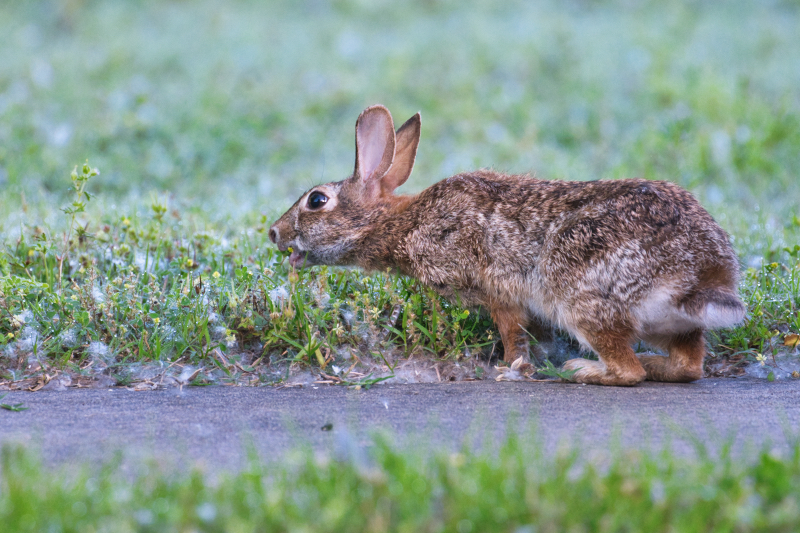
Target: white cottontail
[{"x": 608, "y": 261}]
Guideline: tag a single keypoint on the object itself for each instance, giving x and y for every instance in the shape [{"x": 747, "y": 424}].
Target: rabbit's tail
[{"x": 715, "y": 308}]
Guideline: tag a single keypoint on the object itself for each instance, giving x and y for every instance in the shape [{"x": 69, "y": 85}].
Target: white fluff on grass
[
  {"x": 321, "y": 297},
  {"x": 349, "y": 317},
  {"x": 279, "y": 295},
  {"x": 99, "y": 352},
  {"x": 25, "y": 317},
  {"x": 98, "y": 295},
  {"x": 68, "y": 338},
  {"x": 9, "y": 351},
  {"x": 29, "y": 339},
  {"x": 186, "y": 373},
  {"x": 167, "y": 333}
]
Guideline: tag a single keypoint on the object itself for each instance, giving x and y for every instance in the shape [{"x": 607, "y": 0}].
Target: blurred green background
[{"x": 234, "y": 108}]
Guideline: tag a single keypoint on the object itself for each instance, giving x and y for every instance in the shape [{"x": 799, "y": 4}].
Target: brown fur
[{"x": 608, "y": 261}]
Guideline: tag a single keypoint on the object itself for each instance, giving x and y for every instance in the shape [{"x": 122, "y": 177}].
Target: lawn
[
  {"x": 191, "y": 126},
  {"x": 514, "y": 488}
]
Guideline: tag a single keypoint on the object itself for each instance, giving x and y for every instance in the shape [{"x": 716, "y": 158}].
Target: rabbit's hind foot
[
  {"x": 618, "y": 365},
  {"x": 685, "y": 361},
  {"x": 596, "y": 373}
]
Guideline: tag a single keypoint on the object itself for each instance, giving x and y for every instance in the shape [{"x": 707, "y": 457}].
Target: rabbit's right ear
[
  {"x": 405, "y": 152},
  {"x": 374, "y": 146}
]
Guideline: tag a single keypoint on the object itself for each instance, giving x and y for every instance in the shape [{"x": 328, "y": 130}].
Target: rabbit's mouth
[{"x": 300, "y": 258}]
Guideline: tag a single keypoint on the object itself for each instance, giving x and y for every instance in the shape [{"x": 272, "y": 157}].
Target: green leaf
[{"x": 552, "y": 371}]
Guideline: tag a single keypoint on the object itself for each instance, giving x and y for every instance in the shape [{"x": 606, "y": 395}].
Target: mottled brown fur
[{"x": 608, "y": 261}]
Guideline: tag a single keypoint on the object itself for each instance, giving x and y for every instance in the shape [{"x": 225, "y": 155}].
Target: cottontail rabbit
[{"x": 608, "y": 261}]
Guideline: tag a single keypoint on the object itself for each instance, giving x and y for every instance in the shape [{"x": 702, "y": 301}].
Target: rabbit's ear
[
  {"x": 405, "y": 152},
  {"x": 374, "y": 145}
]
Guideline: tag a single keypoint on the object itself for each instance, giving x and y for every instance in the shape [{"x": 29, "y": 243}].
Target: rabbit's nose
[{"x": 273, "y": 235}]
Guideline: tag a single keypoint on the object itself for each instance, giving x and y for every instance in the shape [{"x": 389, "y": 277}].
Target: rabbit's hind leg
[
  {"x": 618, "y": 364},
  {"x": 685, "y": 361}
]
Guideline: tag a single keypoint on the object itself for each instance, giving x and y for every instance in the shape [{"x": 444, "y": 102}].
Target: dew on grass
[{"x": 168, "y": 333}]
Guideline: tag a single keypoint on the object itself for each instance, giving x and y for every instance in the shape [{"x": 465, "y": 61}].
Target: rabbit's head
[{"x": 326, "y": 224}]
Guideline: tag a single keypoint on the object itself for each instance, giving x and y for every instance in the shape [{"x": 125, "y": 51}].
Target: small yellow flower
[
  {"x": 73, "y": 297},
  {"x": 126, "y": 221},
  {"x": 31, "y": 253},
  {"x": 289, "y": 249},
  {"x": 157, "y": 320},
  {"x": 129, "y": 285},
  {"x": 215, "y": 275},
  {"x": 761, "y": 358},
  {"x": 10, "y": 335}
]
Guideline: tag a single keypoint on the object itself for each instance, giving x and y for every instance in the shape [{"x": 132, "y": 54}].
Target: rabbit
[{"x": 610, "y": 262}]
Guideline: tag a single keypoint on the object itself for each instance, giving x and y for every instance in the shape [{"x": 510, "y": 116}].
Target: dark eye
[{"x": 316, "y": 200}]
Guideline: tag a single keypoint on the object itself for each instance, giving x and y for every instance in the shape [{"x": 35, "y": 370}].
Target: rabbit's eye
[{"x": 316, "y": 200}]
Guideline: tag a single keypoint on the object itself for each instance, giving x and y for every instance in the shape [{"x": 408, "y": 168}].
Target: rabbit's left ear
[
  {"x": 374, "y": 146},
  {"x": 405, "y": 152}
]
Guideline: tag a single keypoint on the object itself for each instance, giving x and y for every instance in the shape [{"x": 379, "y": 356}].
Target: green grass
[
  {"x": 206, "y": 120},
  {"x": 514, "y": 488}
]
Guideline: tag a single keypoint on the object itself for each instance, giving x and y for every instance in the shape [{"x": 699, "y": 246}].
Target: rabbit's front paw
[
  {"x": 520, "y": 370},
  {"x": 597, "y": 373}
]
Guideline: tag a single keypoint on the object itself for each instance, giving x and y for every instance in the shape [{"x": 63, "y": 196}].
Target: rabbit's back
[{"x": 580, "y": 254}]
